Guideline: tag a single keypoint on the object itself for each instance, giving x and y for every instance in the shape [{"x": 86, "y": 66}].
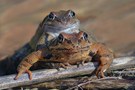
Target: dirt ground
[{"x": 111, "y": 21}]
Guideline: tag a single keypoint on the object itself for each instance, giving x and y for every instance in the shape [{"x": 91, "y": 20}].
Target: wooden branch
[
  {"x": 123, "y": 63},
  {"x": 40, "y": 76},
  {"x": 124, "y": 73},
  {"x": 105, "y": 83},
  {"x": 85, "y": 83}
]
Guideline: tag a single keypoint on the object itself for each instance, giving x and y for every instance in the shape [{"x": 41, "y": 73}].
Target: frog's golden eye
[
  {"x": 51, "y": 16},
  {"x": 60, "y": 38},
  {"x": 71, "y": 13}
]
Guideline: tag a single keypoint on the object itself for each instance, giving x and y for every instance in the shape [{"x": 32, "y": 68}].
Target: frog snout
[
  {"x": 76, "y": 46},
  {"x": 65, "y": 20}
]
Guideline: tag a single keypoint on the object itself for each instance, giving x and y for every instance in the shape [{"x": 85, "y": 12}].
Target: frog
[
  {"x": 67, "y": 50},
  {"x": 53, "y": 24}
]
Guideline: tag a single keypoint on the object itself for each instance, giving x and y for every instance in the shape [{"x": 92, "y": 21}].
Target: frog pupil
[
  {"x": 85, "y": 36},
  {"x": 60, "y": 38},
  {"x": 51, "y": 16},
  {"x": 72, "y": 14}
]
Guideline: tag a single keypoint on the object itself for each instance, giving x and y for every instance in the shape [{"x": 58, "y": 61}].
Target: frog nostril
[
  {"x": 63, "y": 20},
  {"x": 65, "y": 23},
  {"x": 76, "y": 46}
]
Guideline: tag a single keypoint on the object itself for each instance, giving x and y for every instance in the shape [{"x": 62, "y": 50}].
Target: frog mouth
[
  {"x": 55, "y": 30},
  {"x": 74, "y": 50}
]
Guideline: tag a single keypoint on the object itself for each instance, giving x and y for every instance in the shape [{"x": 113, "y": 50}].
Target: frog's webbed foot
[
  {"x": 65, "y": 65},
  {"x": 23, "y": 71}
]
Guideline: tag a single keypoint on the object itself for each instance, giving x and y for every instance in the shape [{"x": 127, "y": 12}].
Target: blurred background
[{"x": 111, "y": 21}]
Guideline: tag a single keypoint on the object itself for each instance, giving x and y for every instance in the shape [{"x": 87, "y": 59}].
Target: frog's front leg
[
  {"x": 103, "y": 56},
  {"x": 27, "y": 62},
  {"x": 104, "y": 65}
]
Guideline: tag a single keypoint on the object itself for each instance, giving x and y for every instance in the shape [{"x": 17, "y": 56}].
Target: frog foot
[
  {"x": 23, "y": 71},
  {"x": 65, "y": 65},
  {"x": 80, "y": 63},
  {"x": 101, "y": 69}
]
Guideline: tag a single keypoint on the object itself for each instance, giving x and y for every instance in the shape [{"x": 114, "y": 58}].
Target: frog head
[
  {"x": 61, "y": 21},
  {"x": 74, "y": 41}
]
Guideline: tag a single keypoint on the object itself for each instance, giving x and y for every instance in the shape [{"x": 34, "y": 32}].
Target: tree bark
[{"x": 40, "y": 76}]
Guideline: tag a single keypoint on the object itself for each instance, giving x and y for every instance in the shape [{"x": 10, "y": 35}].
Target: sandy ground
[{"x": 111, "y": 21}]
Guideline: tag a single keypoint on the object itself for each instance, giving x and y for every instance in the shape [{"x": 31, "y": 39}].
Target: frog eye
[
  {"x": 60, "y": 38},
  {"x": 51, "y": 16},
  {"x": 85, "y": 36},
  {"x": 71, "y": 13}
]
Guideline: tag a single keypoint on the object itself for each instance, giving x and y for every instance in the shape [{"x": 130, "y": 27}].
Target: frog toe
[
  {"x": 65, "y": 65},
  {"x": 18, "y": 74},
  {"x": 29, "y": 73},
  {"x": 21, "y": 72}
]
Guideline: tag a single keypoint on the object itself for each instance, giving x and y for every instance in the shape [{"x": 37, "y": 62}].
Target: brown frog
[{"x": 69, "y": 49}]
